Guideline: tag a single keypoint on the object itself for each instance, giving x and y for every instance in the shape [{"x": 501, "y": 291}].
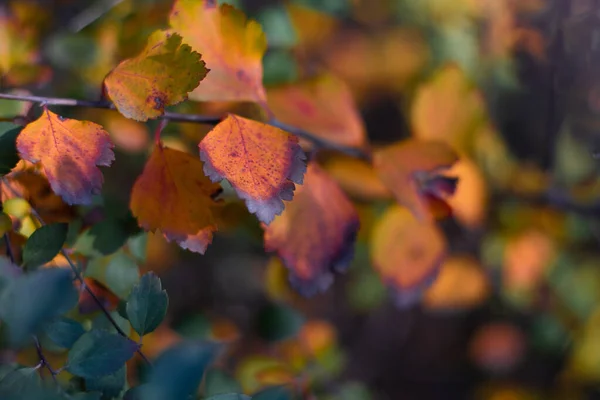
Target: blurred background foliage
[{"x": 512, "y": 85}]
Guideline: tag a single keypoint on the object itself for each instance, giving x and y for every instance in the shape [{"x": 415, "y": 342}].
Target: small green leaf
[
  {"x": 64, "y": 331},
  {"x": 98, "y": 353},
  {"x": 34, "y": 299},
  {"x": 44, "y": 244},
  {"x": 219, "y": 382},
  {"x": 9, "y": 157},
  {"x": 109, "y": 385},
  {"x": 102, "y": 323},
  {"x": 274, "y": 393},
  {"x": 278, "y": 322},
  {"x": 177, "y": 372},
  {"x": 118, "y": 272},
  {"x": 147, "y": 304},
  {"x": 229, "y": 396},
  {"x": 105, "y": 237}
]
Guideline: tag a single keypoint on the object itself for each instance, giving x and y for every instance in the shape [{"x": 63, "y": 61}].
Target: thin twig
[
  {"x": 44, "y": 360},
  {"x": 81, "y": 280},
  {"x": 193, "y": 118}
]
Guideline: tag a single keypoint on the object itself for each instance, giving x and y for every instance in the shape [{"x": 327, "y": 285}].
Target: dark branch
[{"x": 319, "y": 143}]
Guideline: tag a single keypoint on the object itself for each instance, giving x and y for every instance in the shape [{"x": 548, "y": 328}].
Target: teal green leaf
[
  {"x": 102, "y": 323},
  {"x": 274, "y": 393},
  {"x": 9, "y": 157},
  {"x": 147, "y": 304},
  {"x": 109, "y": 385},
  {"x": 98, "y": 353},
  {"x": 64, "y": 331},
  {"x": 34, "y": 299},
  {"x": 44, "y": 244},
  {"x": 87, "y": 396},
  {"x": 177, "y": 372},
  {"x": 23, "y": 383}
]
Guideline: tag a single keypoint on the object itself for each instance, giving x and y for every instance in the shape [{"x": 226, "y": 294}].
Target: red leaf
[{"x": 315, "y": 234}]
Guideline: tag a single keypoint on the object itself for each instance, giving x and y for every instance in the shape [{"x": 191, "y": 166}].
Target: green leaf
[
  {"x": 98, "y": 353},
  {"x": 274, "y": 393},
  {"x": 64, "y": 331},
  {"x": 8, "y": 272},
  {"x": 34, "y": 299},
  {"x": 109, "y": 385},
  {"x": 23, "y": 383},
  {"x": 87, "y": 396},
  {"x": 9, "y": 157},
  {"x": 147, "y": 304},
  {"x": 102, "y": 323},
  {"x": 177, "y": 372},
  {"x": 229, "y": 396},
  {"x": 219, "y": 382},
  {"x": 118, "y": 272},
  {"x": 105, "y": 237},
  {"x": 278, "y": 322},
  {"x": 276, "y": 24},
  {"x": 44, "y": 244},
  {"x": 138, "y": 245}
]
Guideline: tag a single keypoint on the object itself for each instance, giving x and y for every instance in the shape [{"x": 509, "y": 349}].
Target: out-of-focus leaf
[
  {"x": 274, "y": 393},
  {"x": 357, "y": 178},
  {"x": 229, "y": 396},
  {"x": 315, "y": 247},
  {"x": 278, "y": 322},
  {"x": 64, "y": 331},
  {"x": 8, "y": 146},
  {"x": 34, "y": 299},
  {"x": 44, "y": 244},
  {"x": 23, "y": 383},
  {"x": 217, "y": 381},
  {"x": 118, "y": 272},
  {"x": 98, "y": 353},
  {"x": 147, "y": 304},
  {"x": 177, "y": 372},
  {"x": 162, "y": 75},
  {"x": 261, "y": 162},
  {"x": 231, "y": 45},
  {"x": 110, "y": 385},
  {"x": 407, "y": 253}
]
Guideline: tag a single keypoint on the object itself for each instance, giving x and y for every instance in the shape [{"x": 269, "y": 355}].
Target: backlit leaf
[
  {"x": 315, "y": 234},
  {"x": 323, "y": 106},
  {"x": 162, "y": 75},
  {"x": 261, "y": 162},
  {"x": 173, "y": 194},
  {"x": 407, "y": 253},
  {"x": 44, "y": 244},
  {"x": 411, "y": 168},
  {"x": 69, "y": 152},
  {"x": 231, "y": 45},
  {"x": 147, "y": 304},
  {"x": 98, "y": 353}
]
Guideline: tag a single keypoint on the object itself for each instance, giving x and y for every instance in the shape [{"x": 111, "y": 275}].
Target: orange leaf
[
  {"x": 410, "y": 169},
  {"x": 323, "y": 106},
  {"x": 162, "y": 75},
  {"x": 173, "y": 195},
  {"x": 231, "y": 45},
  {"x": 407, "y": 253},
  {"x": 69, "y": 152},
  {"x": 315, "y": 234},
  {"x": 260, "y": 161}
]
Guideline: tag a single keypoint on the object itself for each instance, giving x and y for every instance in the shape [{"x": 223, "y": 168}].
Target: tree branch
[{"x": 193, "y": 118}]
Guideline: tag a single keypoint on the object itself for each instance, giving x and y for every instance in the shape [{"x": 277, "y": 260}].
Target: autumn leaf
[
  {"x": 162, "y": 75},
  {"x": 261, "y": 162},
  {"x": 407, "y": 253},
  {"x": 411, "y": 170},
  {"x": 323, "y": 106},
  {"x": 315, "y": 234},
  {"x": 173, "y": 195},
  {"x": 231, "y": 45},
  {"x": 69, "y": 152}
]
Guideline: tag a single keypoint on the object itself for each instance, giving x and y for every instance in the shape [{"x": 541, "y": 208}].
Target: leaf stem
[
  {"x": 81, "y": 280},
  {"x": 43, "y": 360},
  {"x": 193, "y": 118}
]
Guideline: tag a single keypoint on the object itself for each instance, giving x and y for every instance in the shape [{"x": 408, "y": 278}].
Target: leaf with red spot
[
  {"x": 407, "y": 253},
  {"x": 315, "y": 234},
  {"x": 162, "y": 75},
  {"x": 261, "y": 162},
  {"x": 173, "y": 195},
  {"x": 69, "y": 152},
  {"x": 323, "y": 106},
  {"x": 412, "y": 168},
  {"x": 231, "y": 45}
]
